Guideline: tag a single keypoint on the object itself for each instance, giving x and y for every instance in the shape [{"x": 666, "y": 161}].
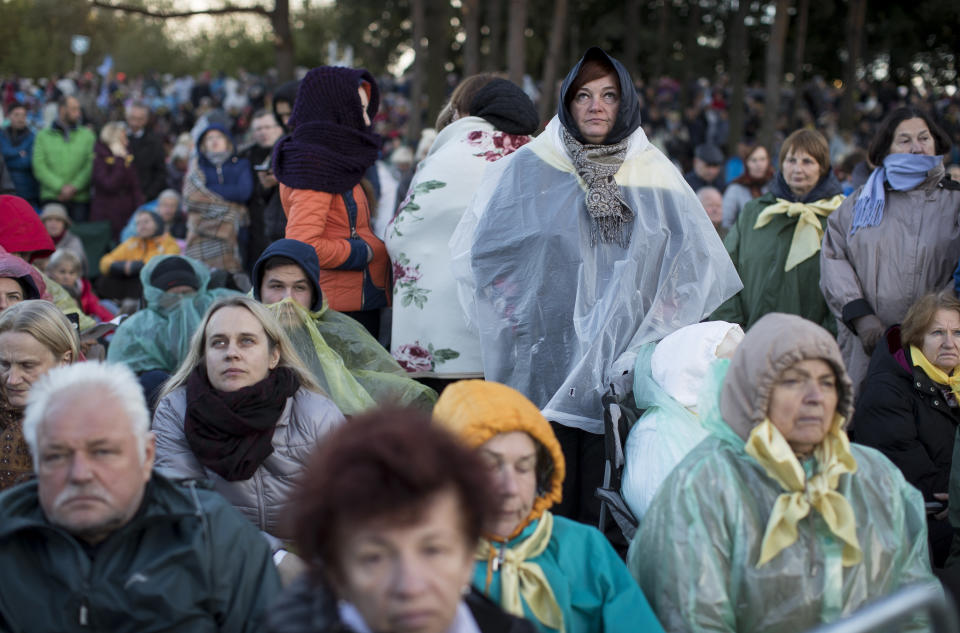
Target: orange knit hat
[{"x": 477, "y": 410}]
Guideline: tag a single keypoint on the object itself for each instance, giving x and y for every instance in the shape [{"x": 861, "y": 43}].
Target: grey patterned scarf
[{"x": 597, "y": 164}]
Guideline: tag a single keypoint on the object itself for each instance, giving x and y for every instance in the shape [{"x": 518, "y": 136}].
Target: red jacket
[
  {"x": 337, "y": 226},
  {"x": 90, "y": 304}
]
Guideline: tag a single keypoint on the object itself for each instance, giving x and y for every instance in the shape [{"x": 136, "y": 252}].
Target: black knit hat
[
  {"x": 172, "y": 272},
  {"x": 505, "y": 106},
  {"x": 329, "y": 93}
]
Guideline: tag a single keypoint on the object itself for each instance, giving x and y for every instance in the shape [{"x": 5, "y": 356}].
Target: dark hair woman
[
  {"x": 582, "y": 245},
  {"x": 775, "y": 240},
  {"x": 388, "y": 515},
  {"x": 908, "y": 407},
  {"x": 489, "y": 118},
  {"x": 750, "y": 185},
  {"x": 894, "y": 240}
]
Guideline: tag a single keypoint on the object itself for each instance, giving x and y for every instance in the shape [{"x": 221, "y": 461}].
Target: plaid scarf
[
  {"x": 212, "y": 225},
  {"x": 596, "y": 165}
]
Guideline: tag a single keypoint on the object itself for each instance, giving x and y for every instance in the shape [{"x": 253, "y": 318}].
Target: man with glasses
[{"x": 266, "y": 131}]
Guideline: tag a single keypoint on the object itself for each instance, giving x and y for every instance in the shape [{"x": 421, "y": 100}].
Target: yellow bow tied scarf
[
  {"x": 767, "y": 445},
  {"x": 936, "y": 374},
  {"x": 520, "y": 577},
  {"x": 809, "y": 234}
]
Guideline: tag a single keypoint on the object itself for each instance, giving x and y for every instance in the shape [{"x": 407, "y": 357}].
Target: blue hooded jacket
[
  {"x": 233, "y": 180},
  {"x": 303, "y": 255}
]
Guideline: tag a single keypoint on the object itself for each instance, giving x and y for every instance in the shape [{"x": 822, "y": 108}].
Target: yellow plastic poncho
[{"x": 354, "y": 369}]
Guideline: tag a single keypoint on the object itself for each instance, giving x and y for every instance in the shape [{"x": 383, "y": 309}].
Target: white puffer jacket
[{"x": 306, "y": 418}]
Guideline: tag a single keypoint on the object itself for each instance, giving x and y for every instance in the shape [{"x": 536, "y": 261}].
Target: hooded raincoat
[
  {"x": 696, "y": 554},
  {"x": 352, "y": 367},
  {"x": 666, "y": 384},
  {"x": 158, "y": 336},
  {"x": 559, "y": 319},
  {"x": 585, "y": 581}
]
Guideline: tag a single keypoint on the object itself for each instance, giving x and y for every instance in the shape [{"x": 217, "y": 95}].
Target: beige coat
[
  {"x": 307, "y": 417},
  {"x": 883, "y": 269}
]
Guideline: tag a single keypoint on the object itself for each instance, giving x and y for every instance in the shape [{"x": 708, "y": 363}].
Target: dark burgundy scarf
[
  {"x": 330, "y": 147},
  {"x": 231, "y": 433},
  {"x": 755, "y": 185}
]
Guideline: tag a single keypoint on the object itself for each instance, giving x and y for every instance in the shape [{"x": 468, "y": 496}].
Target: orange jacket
[
  {"x": 323, "y": 220},
  {"x": 140, "y": 249}
]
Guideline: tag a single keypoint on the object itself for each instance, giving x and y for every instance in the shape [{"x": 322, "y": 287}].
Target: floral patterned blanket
[{"x": 430, "y": 336}]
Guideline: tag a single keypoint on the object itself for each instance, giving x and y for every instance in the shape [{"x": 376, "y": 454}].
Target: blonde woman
[
  {"x": 242, "y": 411},
  {"x": 35, "y": 337},
  {"x": 116, "y": 189}
]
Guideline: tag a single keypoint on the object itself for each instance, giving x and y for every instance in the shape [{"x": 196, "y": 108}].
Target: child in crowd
[
  {"x": 66, "y": 268},
  {"x": 57, "y": 222},
  {"x": 120, "y": 268}
]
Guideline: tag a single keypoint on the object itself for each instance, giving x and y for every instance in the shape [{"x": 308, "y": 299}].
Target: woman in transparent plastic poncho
[
  {"x": 775, "y": 523},
  {"x": 578, "y": 248}
]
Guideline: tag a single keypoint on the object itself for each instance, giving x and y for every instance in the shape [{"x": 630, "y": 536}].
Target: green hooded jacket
[{"x": 186, "y": 562}]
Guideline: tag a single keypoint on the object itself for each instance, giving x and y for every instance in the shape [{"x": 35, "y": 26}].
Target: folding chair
[{"x": 619, "y": 416}]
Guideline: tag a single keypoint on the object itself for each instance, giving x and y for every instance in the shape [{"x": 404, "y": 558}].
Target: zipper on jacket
[
  {"x": 220, "y": 174},
  {"x": 83, "y": 615}
]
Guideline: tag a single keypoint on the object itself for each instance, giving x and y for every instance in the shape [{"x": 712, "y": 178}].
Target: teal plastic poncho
[
  {"x": 588, "y": 579},
  {"x": 668, "y": 378},
  {"x": 158, "y": 336},
  {"x": 696, "y": 552},
  {"x": 354, "y": 369}
]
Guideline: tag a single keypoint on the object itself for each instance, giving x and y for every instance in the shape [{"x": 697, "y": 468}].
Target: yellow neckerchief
[
  {"x": 767, "y": 445},
  {"x": 936, "y": 374},
  {"x": 520, "y": 577},
  {"x": 809, "y": 234}
]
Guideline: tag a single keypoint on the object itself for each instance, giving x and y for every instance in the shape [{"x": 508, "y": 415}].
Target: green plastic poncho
[
  {"x": 696, "y": 552},
  {"x": 158, "y": 336},
  {"x": 355, "y": 370}
]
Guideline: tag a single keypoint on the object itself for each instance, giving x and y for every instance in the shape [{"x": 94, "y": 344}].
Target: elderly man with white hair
[{"x": 99, "y": 541}]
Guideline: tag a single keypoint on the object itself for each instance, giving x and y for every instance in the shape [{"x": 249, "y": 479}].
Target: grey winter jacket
[
  {"x": 884, "y": 269},
  {"x": 307, "y": 417}
]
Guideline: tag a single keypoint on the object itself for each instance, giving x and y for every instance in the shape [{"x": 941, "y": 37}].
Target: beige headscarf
[{"x": 775, "y": 343}]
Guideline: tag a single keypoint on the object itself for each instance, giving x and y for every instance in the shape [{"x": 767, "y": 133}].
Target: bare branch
[{"x": 226, "y": 9}]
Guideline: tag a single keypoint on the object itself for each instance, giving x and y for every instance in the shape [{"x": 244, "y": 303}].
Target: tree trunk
[
  {"x": 495, "y": 39},
  {"x": 437, "y": 14},
  {"x": 516, "y": 41},
  {"x": 471, "y": 46},
  {"x": 663, "y": 41},
  {"x": 799, "y": 51},
  {"x": 857, "y": 12},
  {"x": 415, "y": 120},
  {"x": 738, "y": 49},
  {"x": 631, "y": 37},
  {"x": 548, "y": 91},
  {"x": 689, "y": 47},
  {"x": 283, "y": 39},
  {"x": 775, "y": 46}
]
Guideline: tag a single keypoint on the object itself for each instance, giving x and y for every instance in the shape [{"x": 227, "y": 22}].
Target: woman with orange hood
[{"x": 559, "y": 574}]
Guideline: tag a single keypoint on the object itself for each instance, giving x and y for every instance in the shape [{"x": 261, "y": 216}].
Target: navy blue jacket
[{"x": 18, "y": 157}]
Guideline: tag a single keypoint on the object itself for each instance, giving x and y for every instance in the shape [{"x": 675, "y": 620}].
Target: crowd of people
[{"x": 263, "y": 367}]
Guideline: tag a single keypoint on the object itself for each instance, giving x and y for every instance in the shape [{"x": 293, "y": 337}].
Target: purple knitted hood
[{"x": 330, "y": 147}]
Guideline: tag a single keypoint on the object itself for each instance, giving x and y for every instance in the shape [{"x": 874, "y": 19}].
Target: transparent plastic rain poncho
[
  {"x": 158, "y": 336},
  {"x": 696, "y": 552},
  {"x": 558, "y": 317},
  {"x": 667, "y": 380},
  {"x": 354, "y": 369}
]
